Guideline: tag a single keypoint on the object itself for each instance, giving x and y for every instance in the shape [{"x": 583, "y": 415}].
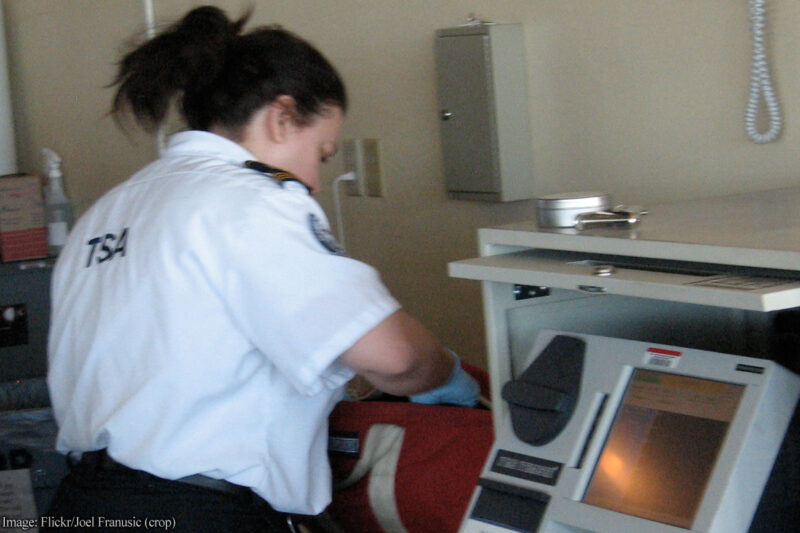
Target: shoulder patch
[{"x": 324, "y": 236}]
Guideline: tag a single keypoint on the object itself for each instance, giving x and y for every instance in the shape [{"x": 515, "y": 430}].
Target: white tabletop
[{"x": 759, "y": 230}]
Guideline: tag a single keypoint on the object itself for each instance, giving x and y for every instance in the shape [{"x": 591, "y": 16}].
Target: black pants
[{"x": 96, "y": 498}]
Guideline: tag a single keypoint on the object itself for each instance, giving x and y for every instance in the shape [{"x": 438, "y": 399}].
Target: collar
[
  {"x": 194, "y": 142},
  {"x": 205, "y": 143},
  {"x": 281, "y": 176}
]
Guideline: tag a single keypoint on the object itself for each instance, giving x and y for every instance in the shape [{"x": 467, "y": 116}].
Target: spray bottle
[{"x": 58, "y": 208}]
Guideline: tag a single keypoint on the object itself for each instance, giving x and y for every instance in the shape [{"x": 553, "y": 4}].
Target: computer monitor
[
  {"x": 645, "y": 438},
  {"x": 663, "y": 445}
]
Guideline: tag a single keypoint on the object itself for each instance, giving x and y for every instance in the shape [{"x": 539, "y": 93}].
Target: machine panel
[{"x": 656, "y": 438}]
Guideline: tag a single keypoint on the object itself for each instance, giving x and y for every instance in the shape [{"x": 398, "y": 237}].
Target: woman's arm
[{"x": 401, "y": 357}]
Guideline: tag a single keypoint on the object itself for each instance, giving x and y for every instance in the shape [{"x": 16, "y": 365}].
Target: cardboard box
[{"x": 23, "y": 231}]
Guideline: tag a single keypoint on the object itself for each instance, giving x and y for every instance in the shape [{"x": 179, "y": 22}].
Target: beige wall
[{"x": 644, "y": 100}]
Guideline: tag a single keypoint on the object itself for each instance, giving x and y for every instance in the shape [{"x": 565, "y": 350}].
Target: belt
[{"x": 100, "y": 460}]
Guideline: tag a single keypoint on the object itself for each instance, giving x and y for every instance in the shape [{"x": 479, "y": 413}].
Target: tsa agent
[{"x": 204, "y": 321}]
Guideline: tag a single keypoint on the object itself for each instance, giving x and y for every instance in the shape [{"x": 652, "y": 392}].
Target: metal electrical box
[{"x": 483, "y": 106}]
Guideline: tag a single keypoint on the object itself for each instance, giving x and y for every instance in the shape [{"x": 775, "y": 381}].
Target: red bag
[{"x": 405, "y": 467}]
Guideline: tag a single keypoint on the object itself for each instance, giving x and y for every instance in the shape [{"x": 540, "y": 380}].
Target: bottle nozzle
[{"x": 52, "y": 163}]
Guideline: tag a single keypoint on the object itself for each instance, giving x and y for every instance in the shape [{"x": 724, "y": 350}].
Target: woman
[{"x": 204, "y": 322}]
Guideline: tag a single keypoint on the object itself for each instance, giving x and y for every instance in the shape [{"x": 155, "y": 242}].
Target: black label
[
  {"x": 343, "y": 443},
  {"x": 526, "y": 467}
]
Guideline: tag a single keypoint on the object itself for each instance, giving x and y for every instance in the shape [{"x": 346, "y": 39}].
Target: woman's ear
[{"x": 281, "y": 118}]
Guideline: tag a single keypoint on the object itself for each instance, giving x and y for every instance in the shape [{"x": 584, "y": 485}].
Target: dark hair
[{"x": 220, "y": 76}]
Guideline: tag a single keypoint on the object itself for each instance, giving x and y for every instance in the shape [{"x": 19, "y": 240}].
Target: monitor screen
[{"x": 662, "y": 447}]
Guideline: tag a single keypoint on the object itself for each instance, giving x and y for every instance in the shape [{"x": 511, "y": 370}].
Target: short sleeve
[{"x": 294, "y": 296}]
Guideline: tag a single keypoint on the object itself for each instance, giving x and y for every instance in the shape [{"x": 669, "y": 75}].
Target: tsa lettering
[{"x": 102, "y": 249}]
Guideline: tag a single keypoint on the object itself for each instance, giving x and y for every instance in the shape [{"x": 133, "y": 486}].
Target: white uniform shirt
[{"x": 198, "y": 313}]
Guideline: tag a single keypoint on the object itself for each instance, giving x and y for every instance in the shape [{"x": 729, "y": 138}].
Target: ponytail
[{"x": 219, "y": 76}]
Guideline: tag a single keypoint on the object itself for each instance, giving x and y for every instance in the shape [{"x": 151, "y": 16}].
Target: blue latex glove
[{"x": 461, "y": 389}]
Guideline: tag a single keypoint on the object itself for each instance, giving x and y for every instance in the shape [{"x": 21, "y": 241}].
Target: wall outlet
[
  {"x": 362, "y": 156},
  {"x": 371, "y": 156},
  {"x": 351, "y": 152}
]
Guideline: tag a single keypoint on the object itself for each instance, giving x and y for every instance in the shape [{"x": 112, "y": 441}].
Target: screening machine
[{"x": 643, "y": 378}]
